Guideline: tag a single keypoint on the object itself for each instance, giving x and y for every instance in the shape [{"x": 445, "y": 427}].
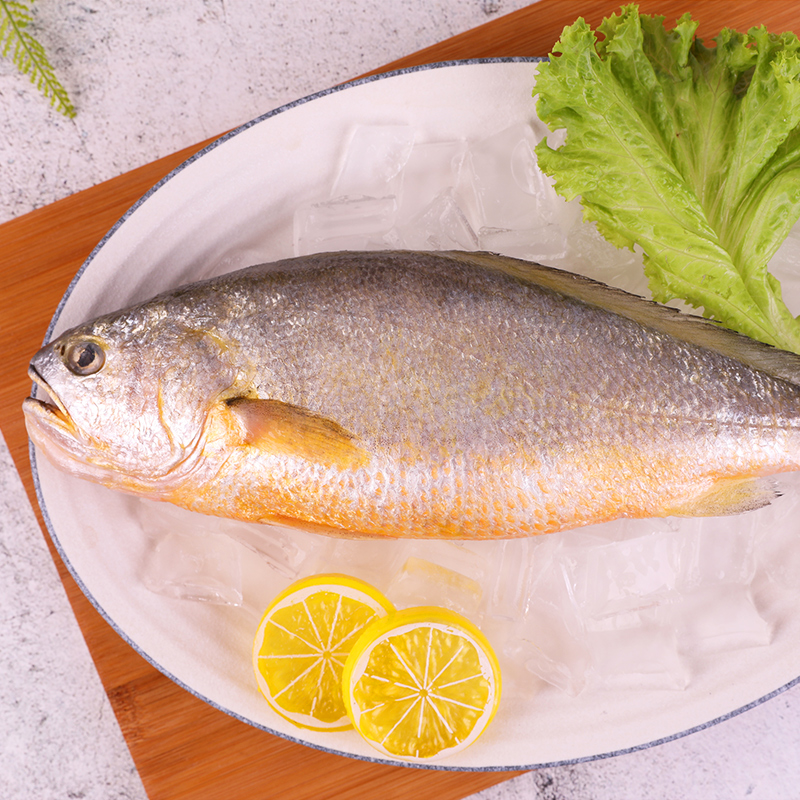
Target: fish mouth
[
  {"x": 52, "y": 413},
  {"x": 53, "y": 432}
]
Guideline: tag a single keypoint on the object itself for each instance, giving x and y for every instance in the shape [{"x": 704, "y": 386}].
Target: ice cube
[
  {"x": 374, "y": 161},
  {"x": 589, "y": 253},
  {"x": 719, "y": 551},
  {"x": 543, "y": 244},
  {"x": 634, "y": 572},
  {"x": 509, "y": 188},
  {"x": 548, "y": 647},
  {"x": 442, "y": 225},
  {"x": 530, "y": 615},
  {"x": 361, "y": 223},
  {"x": 643, "y": 657},
  {"x": 432, "y": 168},
  {"x": 371, "y": 560},
  {"x": 785, "y": 266},
  {"x": 283, "y": 549},
  {"x": 156, "y": 518},
  {"x": 780, "y": 562},
  {"x": 194, "y": 566},
  {"x": 716, "y": 618},
  {"x": 519, "y": 682},
  {"x": 442, "y": 574},
  {"x": 510, "y": 583},
  {"x": 777, "y": 554},
  {"x": 468, "y": 558}
]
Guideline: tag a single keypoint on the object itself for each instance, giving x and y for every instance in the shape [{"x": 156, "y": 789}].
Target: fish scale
[{"x": 418, "y": 394}]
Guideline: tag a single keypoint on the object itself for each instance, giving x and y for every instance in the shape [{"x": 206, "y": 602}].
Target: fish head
[{"x": 127, "y": 398}]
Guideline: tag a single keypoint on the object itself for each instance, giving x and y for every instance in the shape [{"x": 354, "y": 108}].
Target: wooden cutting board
[{"x": 184, "y": 748}]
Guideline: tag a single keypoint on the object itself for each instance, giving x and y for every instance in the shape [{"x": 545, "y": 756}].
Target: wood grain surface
[{"x": 182, "y": 747}]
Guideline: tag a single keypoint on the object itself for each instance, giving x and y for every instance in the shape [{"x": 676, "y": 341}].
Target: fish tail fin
[{"x": 728, "y": 496}]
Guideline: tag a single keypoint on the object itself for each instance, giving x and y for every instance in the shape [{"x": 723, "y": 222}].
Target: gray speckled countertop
[
  {"x": 148, "y": 80},
  {"x": 58, "y": 734}
]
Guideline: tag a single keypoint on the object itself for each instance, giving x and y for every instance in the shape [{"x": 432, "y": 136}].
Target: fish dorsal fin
[
  {"x": 687, "y": 328},
  {"x": 285, "y": 429}
]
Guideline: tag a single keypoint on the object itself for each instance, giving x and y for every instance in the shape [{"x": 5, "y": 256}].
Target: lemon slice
[
  {"x": 302, "y": 643},
  {"x": 421, "y": 683}
]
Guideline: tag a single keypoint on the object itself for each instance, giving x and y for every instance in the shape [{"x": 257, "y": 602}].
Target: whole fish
[{"x": 407, "y": 394}]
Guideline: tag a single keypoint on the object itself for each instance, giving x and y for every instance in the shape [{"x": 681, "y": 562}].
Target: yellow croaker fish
[{"x": 418, "y": 395}]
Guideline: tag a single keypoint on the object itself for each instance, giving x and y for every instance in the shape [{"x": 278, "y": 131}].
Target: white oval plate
[{"x": 231, "y": 205}]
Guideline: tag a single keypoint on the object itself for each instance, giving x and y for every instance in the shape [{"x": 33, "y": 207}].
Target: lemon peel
[
  {"x": 421, "y": 683},
  {"x": 302, "y": 642}
]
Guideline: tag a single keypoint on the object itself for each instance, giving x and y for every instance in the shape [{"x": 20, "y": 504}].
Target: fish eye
[{"x": 84, "y": 358}]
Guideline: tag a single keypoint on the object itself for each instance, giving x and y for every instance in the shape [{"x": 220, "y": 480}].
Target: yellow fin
[
  {"x": 281, "y": 428},
  {"x": 727, "y": 496}
]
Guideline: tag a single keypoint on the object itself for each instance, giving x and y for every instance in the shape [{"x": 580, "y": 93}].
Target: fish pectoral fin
[
  {"x": 281, "y": 428},
  {"x": 728, "y": 496}
]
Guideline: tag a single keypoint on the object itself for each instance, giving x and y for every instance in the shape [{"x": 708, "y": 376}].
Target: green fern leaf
[{"x": 28, "y": 55}]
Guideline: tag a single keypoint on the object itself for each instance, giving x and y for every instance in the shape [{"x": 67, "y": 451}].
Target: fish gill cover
[{"x": 690, "y": 151}]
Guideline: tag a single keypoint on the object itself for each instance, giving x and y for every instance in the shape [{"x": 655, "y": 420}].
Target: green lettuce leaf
[{"x": 692, "y": 152}]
